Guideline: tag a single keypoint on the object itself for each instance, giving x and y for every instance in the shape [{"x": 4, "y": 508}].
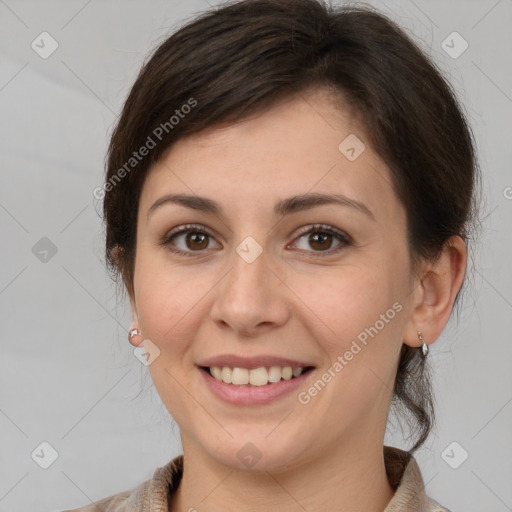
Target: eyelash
[{"x": 316, "y": 228}]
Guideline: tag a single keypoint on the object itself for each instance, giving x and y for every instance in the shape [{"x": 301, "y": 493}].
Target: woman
[{"x": 288, "y": 198}]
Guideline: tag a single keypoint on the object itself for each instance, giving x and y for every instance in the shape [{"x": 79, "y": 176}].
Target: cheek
[
  {"x": 356, "y": 317},
  {"x": 162, "y": 297},
  {"x": 343, "y": 302}
]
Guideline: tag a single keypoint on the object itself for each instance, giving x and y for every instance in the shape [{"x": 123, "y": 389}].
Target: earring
[
  {"x": 424, "y": 347},
  {"x": 132, "y": 333}
]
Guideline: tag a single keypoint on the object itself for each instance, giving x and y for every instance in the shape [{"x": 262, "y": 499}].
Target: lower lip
[{"x": 253, "y": 395}]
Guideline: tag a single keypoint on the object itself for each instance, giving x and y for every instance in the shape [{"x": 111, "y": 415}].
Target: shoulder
[
  {"x": 133, "y": 500},
  {"x": 115, "y": 503},
  {"x": 150, "y": 496}
]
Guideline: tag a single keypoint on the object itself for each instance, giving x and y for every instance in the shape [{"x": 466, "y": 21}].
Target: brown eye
[
  {"x": 320, "y": 241},
  {"x": 187, "y": 240},
  {"x": 321, "y": 238},
  {"x": 196, "y": 241},
  {"x": 190, "y": 239}
]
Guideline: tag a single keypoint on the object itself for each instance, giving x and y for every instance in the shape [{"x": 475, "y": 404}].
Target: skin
[{"x": 324, "y": 455}]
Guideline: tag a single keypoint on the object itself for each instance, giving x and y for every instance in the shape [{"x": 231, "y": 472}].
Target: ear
[
  {"x": 135, "y": 322},
  {"x": 117, "y": 253},
  {"x": 435, "y": 293}
]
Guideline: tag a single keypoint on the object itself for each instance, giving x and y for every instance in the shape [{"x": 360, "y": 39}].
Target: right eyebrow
[{"x": 281, "y": 208}]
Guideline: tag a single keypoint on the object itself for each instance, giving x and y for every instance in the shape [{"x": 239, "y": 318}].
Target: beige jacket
[{"x": 153, "y": 495}]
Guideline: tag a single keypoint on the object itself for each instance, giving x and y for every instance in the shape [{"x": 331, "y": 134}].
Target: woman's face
[{"x": 266, "y": 288}]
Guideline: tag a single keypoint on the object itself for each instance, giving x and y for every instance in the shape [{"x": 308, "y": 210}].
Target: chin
[{"x": 258, "y": 453}]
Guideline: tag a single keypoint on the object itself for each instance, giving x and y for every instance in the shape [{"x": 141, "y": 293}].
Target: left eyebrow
[{"x": 281, "y": 208}]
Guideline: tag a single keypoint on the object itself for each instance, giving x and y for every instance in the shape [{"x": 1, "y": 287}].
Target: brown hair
[{"x": 238, "y": 60}]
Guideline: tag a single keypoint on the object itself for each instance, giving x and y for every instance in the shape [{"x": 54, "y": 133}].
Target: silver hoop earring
[
  {"x": 132, "y": 333},
  {"x": 424, "y": 347}
]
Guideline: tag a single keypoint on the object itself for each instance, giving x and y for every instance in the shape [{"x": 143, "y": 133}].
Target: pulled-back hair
[{"x": 240, "y": 59}]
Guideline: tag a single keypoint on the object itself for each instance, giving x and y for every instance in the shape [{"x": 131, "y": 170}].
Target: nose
[{"x": 251, "y": 299}]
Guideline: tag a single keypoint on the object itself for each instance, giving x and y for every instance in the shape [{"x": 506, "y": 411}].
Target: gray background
[{"x": 67, "y": 372}]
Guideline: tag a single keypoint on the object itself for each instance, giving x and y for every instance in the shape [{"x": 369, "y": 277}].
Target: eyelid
[
  {"x": 345, "y": 239},
  {"x": 184, "y": 229},
  {"x": 326, "y": 227}
]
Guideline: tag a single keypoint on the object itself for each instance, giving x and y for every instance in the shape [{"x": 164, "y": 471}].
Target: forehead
[{"x": 303, "y": 144}]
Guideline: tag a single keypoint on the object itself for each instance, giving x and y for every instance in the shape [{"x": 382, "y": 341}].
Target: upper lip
[{"x": 233, "y": 361}]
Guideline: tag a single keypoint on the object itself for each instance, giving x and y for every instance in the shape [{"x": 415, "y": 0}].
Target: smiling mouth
[{"x": 261, "y": 376}]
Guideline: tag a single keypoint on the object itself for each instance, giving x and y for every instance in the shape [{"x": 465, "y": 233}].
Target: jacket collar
[{"x": 402, "y": 470}]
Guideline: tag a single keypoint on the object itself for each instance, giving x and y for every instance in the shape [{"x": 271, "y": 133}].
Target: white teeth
[
  {"x": 274, "y": 374},
  {"x": 256, "y": 377},
  {"x": 287, "y": 372},
  {"x": 297, "y": 371},
  {"x": 226, "y": 374},
  {"x": 240, "y": 376}
]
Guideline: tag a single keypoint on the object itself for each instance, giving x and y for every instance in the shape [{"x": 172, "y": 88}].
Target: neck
[{"x": 350, "y": 479}]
